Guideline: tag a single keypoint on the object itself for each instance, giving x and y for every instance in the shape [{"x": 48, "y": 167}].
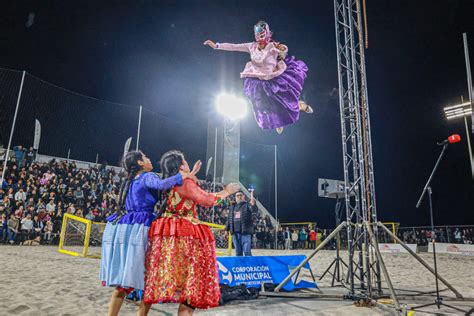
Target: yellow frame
[
  {"x": 229, "y": 238},
  {"x": 394, "y": 228},
  {"x": 297, "y": 223},
  {"x": 86, "y": 238}
]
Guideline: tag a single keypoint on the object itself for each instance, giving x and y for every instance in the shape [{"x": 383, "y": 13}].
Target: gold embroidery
[
  {"x": 176, "y": 199},
  {"x": 188, "y": 204}
]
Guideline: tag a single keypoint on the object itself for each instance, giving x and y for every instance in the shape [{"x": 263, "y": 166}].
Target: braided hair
[
  {"x": 131, "y": 166},
  {"x": 170, "y": 163}
]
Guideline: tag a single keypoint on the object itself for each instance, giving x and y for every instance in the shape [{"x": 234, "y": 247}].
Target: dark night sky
[{"x": 150, "y": 53}]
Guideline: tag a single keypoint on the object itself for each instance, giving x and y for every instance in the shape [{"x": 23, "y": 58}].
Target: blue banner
[{"x": 253, "y": 271}]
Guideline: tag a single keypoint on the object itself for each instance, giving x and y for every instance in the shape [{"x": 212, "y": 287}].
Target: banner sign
[
  {"x": 208, "y": 166},
  {"x": 37, "y": 138},
  {"x": 126, "y": 147},
  {"x": 253, "y": 271},
  {"x": 457, "y": 249},
  {"x": 397, "y": 248}
]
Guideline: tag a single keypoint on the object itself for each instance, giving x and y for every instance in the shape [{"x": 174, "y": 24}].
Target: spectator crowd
[
  {"x": 422, "y": 236},
  {"x": 35, "y": 196}
]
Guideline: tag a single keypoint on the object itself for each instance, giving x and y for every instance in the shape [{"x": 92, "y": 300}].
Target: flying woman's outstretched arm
[{"x": 245, "y": 47}]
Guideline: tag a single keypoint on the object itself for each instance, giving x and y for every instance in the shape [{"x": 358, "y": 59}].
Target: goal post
[
  {"x": 223, "y": 239},
  {"x": 77, "y": 227},
  {"x": 78, "y": 235},
  {"x": 393, "y": 226}
]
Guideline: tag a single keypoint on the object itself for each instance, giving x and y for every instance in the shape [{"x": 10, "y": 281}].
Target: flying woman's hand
[
  {"x": 279, "y": 46},
  {"x": 210, "y": 44}
]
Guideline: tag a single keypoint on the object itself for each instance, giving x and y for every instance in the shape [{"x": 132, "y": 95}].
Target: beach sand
[{"x": 41, "y": 281}]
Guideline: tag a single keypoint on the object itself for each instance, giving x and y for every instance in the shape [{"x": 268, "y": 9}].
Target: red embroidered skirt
[{"x": 181, "y": 264}]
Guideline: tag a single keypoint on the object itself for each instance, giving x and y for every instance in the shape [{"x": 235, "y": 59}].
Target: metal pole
[
  {"x": 215, "y": 170},
  {"x": 469, "y": 78},
  {"x": 382, "y": 265},
  {"x": 68, "y": 154},
  {"x": 96, "y": 159},
  {"x": 276, "y": 199},
  {"x": 419, "y": 259},
  {"x": 468, "y": 139},
  {"x": 139, "y": 126},
  {"x": 433, "y": 242},
  {"x": 215, "y": 165},
  {"x": 13, "y": 128},
  {"x": 425, "y": 189},
  {"x": 321, "y": 246}
]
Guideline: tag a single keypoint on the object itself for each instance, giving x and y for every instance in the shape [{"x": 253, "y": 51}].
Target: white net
[
  {"x": 222, "y": 237},
  {"x": 95, "y": 239}
]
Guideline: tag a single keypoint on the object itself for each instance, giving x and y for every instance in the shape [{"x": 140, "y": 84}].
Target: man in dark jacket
[
  {"x": 240, "y": 223},
  {"x": 30, "y": 157}
]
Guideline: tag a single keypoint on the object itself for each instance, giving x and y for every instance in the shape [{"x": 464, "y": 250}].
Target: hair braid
[
  {"x": 130, "y": 164},
  {"x": 170, "y": 163}
]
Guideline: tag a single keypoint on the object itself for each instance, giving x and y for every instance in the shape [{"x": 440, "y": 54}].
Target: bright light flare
[
  {"x": 458, "y": 110},
  {"x": 231, "y": 106}
]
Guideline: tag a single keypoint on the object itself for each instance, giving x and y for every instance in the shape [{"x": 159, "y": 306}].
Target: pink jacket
[{"x": 264, "y": 63}]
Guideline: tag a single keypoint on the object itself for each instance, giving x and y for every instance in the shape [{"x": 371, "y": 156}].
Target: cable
[{"x": 365, "y": 24}]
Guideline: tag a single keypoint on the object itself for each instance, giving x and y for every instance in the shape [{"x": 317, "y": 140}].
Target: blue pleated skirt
[{"x": 122, "y": 262}]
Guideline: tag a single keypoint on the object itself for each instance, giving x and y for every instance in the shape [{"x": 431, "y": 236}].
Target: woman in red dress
[{"x": 181, "y": 258}]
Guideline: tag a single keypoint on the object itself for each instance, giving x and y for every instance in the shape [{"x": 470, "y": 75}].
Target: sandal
[{"x": 306, "y": 107}]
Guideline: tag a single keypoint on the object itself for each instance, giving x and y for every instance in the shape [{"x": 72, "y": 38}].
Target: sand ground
[{"x": 41, "y": 281}]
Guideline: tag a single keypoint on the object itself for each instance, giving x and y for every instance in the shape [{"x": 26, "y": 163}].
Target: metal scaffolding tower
[
  {"x": 356, "y": 146},
  {"x": 366, "y": 267}
]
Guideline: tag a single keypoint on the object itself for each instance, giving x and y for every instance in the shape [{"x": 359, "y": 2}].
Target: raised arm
[
  {"x": 152, "y": 181},
  {"x": 245, "y": 47},
  {"x": 190, "y": 190}
]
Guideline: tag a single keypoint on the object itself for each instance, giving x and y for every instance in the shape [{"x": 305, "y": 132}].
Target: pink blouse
[{"x": 263, "y": 64}]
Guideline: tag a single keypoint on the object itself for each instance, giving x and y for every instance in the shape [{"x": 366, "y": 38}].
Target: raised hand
[
  {"x": 197, "y": 167},
  {"x": 192, "y": 175},
  {"x": 252, "y": 199},
  {"x": 188, "y": 175},
  {"x": 210, "y": 44}
]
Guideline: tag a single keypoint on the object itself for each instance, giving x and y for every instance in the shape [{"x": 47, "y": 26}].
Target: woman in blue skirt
[{"x": 125, "y": 236}]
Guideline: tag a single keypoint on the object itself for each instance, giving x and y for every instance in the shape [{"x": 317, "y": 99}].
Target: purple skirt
[{"x": 275, "y": 101}]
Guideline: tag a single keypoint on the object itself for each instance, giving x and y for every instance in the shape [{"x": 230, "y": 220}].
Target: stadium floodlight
[
  {"x": 231, "y": 106},
  {"x": 463, "y": 110},
  {"x": 459, "y": 110}
]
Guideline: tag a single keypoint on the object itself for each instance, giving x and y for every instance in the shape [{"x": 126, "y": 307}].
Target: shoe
[
  {"x": 279, "y": 130},
  {"x": 306, "y": 107}
]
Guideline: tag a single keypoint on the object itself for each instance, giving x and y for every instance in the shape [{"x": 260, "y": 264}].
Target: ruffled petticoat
[
  {"x": 181, "y": 264},
  {"x": 275, "y": 101}
]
